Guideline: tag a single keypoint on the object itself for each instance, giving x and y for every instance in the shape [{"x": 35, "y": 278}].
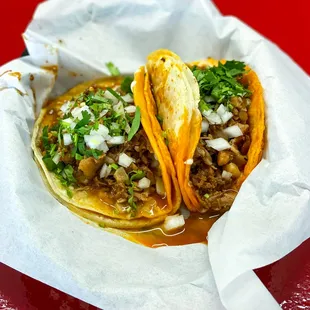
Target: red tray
[{"x": 288, "y": 280}]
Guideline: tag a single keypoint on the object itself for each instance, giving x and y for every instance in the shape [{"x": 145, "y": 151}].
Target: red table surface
[{"x": 288, "y": 280}]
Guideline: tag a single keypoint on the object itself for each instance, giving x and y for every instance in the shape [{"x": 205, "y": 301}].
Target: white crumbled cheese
[
  {"x": 189, "y": 161},
  {"x": 130, "y": 109},
  {"x": 125, "y": 160},
  {"x": 67, "y": 139},
  {"x": 102, "y": 131},
  {"x": 144, "y": 183},
  {"x": 93, "y": 141},
  {"x": 128, "y": 98}
]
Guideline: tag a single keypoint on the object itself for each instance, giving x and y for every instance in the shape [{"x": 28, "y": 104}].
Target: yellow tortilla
[{"x": 94, "y": 204}]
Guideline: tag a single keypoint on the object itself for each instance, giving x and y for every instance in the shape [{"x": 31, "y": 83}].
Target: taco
[
  {"x": 212, "y": 114},
  {"x": 99, "y": 156}
]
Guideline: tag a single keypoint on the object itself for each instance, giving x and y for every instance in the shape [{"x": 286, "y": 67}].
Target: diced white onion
[
  {"x": 185, "y": 212},
  {"x": 209, "y": 99},
  {"x": 173, "y": 222},
  {"x": 103, "y": 113},
  {"x": 125, "y": 160},
  {"x": 221, "y": 110},
  {"x": 65, "y": 108},
  {"x": 204, "y": 126},
  {"x": 144, "y": 183},
  {"x": 77, "y": 112},
  {"x": 213, "y": 118},
  {"x": 119, "y": 108},
  {"x": 108, "y": 95},
  {"x": 218, "y": 144},
  {"x": 233, "y": 131},
  {"x": 226, "y": 175},
  {"x": 127, "y": 128},
  {"x": 93, "y": 141},
  {"x": 130, "y": 109},
  {"x": 67, "y": 139},
  {"x": 226, "y": 117},
  {"x": 103, "y": 147},
  {"x": 132, "y": 85},
  {"x": 116, "y": 140},
  {"x": 69, "y": 122},
  {"x": 128, "y": 98},
  {"x": 56, "y": 158},
  {"x": 105, "y": 171},
  {"x": 189, "y": 161},
  {"x": 160, "y": 188},
  {"x": 102, "y": 131}
]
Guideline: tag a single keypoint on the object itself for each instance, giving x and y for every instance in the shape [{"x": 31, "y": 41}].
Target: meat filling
[{"x": 213, "y": 172}]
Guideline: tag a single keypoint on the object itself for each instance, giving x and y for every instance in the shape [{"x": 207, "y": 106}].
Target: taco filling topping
[
  {"x": 221, "y": 154},
  {"x": 95, "y": 141}
]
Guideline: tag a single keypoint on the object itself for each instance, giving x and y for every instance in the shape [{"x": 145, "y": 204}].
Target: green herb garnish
[
  {"x": 125, "y": 86},
  {"x": 114, "y": 166},
  {"x": 84, "y": 121},
  {"x": 160, "y": 119},
  {"x": 206, "y": 196},
  {"x": 113, "y": 69},
  {"x": 45, "y": 141},
  {"x": 49, "y": 163},
  {"x": 135, "y": 124},
  {"x": 221, "y": 83},
  {"x": 116, "y": 95}
]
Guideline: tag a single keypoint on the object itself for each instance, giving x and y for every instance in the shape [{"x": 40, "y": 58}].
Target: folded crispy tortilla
[
  {"x": 215, "y": 142},
  {"x": 81, "y": 144}
]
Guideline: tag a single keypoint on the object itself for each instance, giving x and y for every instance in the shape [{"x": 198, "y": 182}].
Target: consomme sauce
[{"x": 195, "y": 231}]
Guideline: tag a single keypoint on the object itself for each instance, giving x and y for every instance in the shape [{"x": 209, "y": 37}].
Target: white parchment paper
[{"x": 269, "y": 218}]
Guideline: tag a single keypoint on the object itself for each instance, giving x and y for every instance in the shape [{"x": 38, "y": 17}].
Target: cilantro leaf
[
  {"x": 135, "y": 124},
  {"x": 68, "y": 170},
  {"x": 125, "y": 86},
  {"x": 49, "y": 163},
  {"x": 113, "y": 166},
  {"x": 84, "y": 121},
  {"x": 45, "y": 141},
  {"x": 113, "y": 69},
  {"x": 137, "y": 175},
  {"x": 221, "y": 83}
]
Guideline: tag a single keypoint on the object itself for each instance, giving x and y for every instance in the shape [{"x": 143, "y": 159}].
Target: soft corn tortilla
[
  {"x": 177, "y": 97},
  {"x": 93, "y": 205}
]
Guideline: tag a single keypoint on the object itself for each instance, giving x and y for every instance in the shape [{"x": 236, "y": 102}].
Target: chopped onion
[
  {"x": 213, "y": 118},
  {"x": 77, "y": 112},
  {"x": 93, "y": 141},
  {"x": 233, "y": 131},
  {"x": 226, "y": 175},
  {"x": 160, "y": 188},
  {"x": 132, "y": 85},
  {"x": 103, "y": 113},
  {"x": 130, "y": 109},
  {"x": 125, "y": 160},
  {"x": 67, "y": 139},
  {"x": 219, "y": 144},
  {"x": 103, "y": 147},
  {"x": 119, "y": 108},
  {"x": 102, "y": 131},
  {"x": 173, "y": 222},
  {"x": 69, "y": 122},
  {"x": 209, "y": 99},
  {"x": 144, "y": 183},
  {"x": 65, "y": 108},
  {"x": 128, "y": 98},
  {"x": 189, "y": 161},
  {"x": 127, "y": 128},
  {"x": 120, "y": 175},
  {"x": 204, "y": 126},
  {"x": 108, "y": 95},
  {"x": 56, "y": 158},
  {"x": 105, "y": 171},
  {"x": 185, "y": 212},
  {"x": 226, "y": 117},
  {"x": 221, "y": 110},
  {"x": 116, "y": 140}
]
